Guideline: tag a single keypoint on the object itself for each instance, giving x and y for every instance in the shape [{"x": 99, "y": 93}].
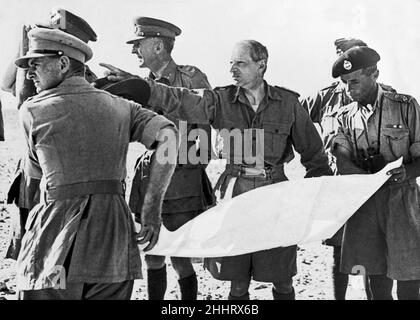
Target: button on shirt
[
  {"x": 283, "y": 120},
  {"x": 187, "y": 190},
  {"x": 400, "y": 128}
]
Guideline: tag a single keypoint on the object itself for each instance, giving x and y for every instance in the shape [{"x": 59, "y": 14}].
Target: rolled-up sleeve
[
  {"x": 309, "y": 145},
  {"x": 146, "y": 124},
  {"x": 196, "y": 106}
]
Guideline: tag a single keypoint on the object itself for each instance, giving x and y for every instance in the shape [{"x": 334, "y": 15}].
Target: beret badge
[{"x": 347, "y": 65}]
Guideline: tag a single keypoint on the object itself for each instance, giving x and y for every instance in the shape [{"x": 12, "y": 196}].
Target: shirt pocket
[
  {"x": 275, "y": 139},
  {"x": 398, "y": 141}
]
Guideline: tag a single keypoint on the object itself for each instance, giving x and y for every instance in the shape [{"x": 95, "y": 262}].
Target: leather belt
[{"x": 85, "y": 188}]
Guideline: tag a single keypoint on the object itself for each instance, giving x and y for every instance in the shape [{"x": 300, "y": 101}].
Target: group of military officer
[{"x": 77, "y": 136}]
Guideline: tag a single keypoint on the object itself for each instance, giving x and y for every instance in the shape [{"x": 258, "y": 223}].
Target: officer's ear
[
  {"x": 159, "y": 46},
  {"x": 375, "y": 75},
  {"x": 64, "y": 64},
  {"x": 262, "y": 65}
]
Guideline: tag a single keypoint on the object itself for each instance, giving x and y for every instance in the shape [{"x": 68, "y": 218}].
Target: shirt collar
[
  {"x": 71, "y": 84},
  {"x": 168, "y": 73},
  {"x": 270, "y": 92}
]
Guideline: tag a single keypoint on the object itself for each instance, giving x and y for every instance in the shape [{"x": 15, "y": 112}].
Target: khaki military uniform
[
  {"x": 285, "y": 124},
  {"x": 383, "y": 236},
  {"x": 190, "y": 191},
  {"x": 83, "y": 223},
  {"x": 324, "y": 109}
]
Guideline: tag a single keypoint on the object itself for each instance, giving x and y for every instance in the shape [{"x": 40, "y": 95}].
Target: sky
[{"x": 299, "y": 35}]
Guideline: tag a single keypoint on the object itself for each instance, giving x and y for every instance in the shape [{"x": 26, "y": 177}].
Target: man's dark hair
[
  {"x": 257, "y": 51},
  {"x": 77, "y": 68}
]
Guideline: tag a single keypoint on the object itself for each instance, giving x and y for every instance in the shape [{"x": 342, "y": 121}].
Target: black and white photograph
[{"x": 216, "y": 150}]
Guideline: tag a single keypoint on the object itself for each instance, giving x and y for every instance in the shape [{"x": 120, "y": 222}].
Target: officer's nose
[
  {"x": 136, "y": 48},
  {"x": 30, "y": 74}
]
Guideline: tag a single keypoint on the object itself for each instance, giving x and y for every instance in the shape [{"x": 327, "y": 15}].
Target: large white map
[{"x": 282, "y": 214}]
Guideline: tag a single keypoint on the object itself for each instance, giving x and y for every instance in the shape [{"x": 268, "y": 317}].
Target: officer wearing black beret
[
  {"x": 323, "y": 108},
  {"x": 379, "y": 127},
  {"x": 190, "y": 191},
  {"x": 356, "y": 58}
]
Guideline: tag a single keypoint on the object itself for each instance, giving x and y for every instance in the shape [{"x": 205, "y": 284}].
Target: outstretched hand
[{"x": 115, "y": 74}]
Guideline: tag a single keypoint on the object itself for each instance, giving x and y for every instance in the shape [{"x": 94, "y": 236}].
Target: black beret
[
  {"x": 344, "y": 44},
  {"x": 145, "y": 27},
  {"x": 354, "y": 59},
  {"x": 135, "y": 89}
]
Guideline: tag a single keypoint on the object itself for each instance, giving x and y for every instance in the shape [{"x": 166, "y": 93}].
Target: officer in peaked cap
[
  {"x": 24, "y": 191},
  {"x": 84, "y": 133},
  {"x": 59, "y": 19},
  {"x": 74, "y": 25},
  {"x": 355, "y": 59},
  {"x": 54, "y": 42},
  {"x": 145, "y": 27},
  {"x": 190, "y": 191}
]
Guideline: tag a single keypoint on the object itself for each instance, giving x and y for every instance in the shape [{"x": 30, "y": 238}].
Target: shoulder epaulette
[
  {"x": 288, "y": 90},
  {"x": 225, "y": 87},
  {"x": 188, "y": 70},
  {"x": 387, "y": 88},
  {"x": 398, "y": 97},
  {"x": 331, "y": 86}
]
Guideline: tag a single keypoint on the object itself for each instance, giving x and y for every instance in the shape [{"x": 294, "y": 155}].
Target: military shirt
[
  {"x": 399, "y": 131},
  {"x": 325, "y": 106},
  {"x": 189, "y": 186},
  {"x": 77, "y": 134},
  {"x": 284, "y": 122}
]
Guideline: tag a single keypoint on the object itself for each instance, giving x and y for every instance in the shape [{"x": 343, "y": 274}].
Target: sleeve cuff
[{"x": 152, "y": 129}]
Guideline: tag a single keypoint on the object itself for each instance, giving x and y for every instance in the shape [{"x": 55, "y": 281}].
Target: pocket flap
[
  {"x": 278, "y": 128},
  {"x": 395, "y": 133}
]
